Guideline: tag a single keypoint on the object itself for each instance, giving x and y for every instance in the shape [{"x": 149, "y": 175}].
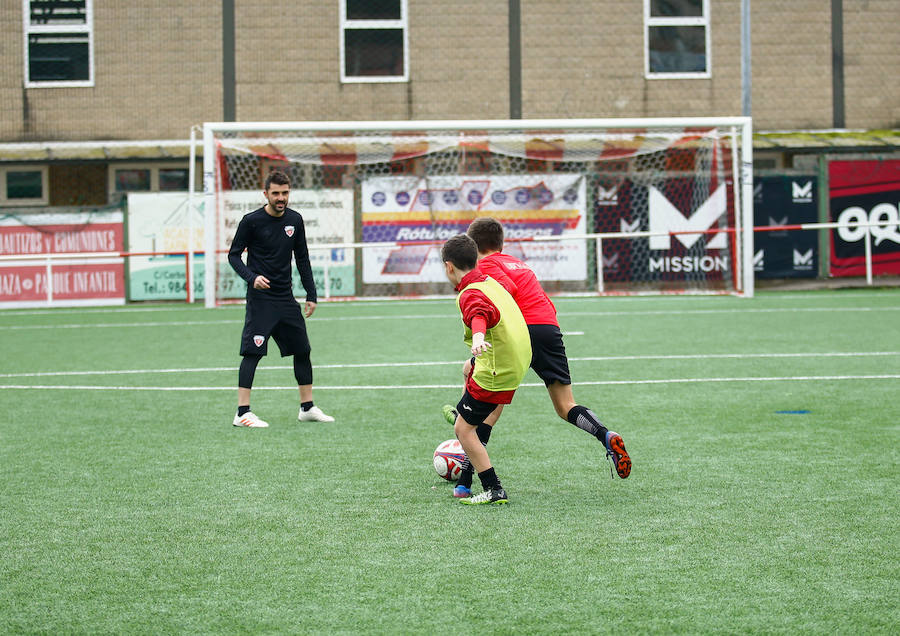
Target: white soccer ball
[{"x": 449, "y": 458}]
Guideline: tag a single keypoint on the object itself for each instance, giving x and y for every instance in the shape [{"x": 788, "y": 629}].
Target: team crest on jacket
[
  {"x": 258, "y": 340},
  {"x": 289, "y": 230}
]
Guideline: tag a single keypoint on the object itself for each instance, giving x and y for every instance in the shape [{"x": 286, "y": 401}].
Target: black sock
[
  {"x": 306, "y": 406},
  {"x": 243, "y": 409},
  {"x": 489, "y": 479},
  {"x": 584, "y": 418},
  {"x": 468, "y": 472},
  {"x": 465, "y": 476}
]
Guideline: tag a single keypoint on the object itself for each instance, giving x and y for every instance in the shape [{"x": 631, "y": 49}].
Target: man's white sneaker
[
  {"x": 314, "y": 414},
  {"x": 249, "y": 420}
]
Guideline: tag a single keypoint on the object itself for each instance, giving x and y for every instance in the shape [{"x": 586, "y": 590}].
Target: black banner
[
  {"x": 690, "y": 209},
  {"x": 785, "y": 200}
]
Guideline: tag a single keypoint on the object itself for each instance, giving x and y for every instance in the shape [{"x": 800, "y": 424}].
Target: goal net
[{"x": 593, "y": 206}]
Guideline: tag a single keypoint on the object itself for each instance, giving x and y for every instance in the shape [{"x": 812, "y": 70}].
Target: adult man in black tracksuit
[{"x": 271, "y": 235}]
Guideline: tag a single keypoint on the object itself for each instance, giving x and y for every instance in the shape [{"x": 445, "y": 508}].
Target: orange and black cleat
[{"x": 615, "y": 450}]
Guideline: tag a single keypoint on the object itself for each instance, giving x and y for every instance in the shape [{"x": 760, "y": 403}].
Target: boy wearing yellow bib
[{"x": 498, "y": 338}]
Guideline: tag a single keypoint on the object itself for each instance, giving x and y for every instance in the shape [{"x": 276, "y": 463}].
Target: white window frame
[
  {"x": 685, "y": 21},
  {"x": 30, "y": 29},
  {"x": 45, "y": 185},
  {"x": 402, "y": 23},
  {"x": 154, "y": 169}
]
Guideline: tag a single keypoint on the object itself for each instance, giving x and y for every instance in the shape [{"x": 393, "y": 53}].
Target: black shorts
[
  {"x": 548, "y": 354},
  {"x": 474, "y": 411},
  {"x": 279, "y": 316}
]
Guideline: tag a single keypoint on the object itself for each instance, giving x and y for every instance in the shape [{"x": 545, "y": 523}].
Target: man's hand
[
  {"x": 479, "y": 346},
  {"x": 260, "y": 282},
  {"x": 308, "y": 308}
]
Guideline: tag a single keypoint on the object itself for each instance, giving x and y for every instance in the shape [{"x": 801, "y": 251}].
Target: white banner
[
  {"x": 423, "y": 209},
  {"x": 161, "y": 222},
  {"x": 327, "y": 218}
]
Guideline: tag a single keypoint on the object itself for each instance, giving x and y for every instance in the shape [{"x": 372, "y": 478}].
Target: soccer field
[{"x": 764, "y": 496}]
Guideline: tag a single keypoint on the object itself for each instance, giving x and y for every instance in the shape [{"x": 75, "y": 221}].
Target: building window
[
  {"x": 132, "y": 179},
  {"x": 676, "y": 36},
  {"x": 23, "y": 185},
  {"x": 148, "y": 177},
  {"x": 59, "y": 43},
  {"x": 374, "y": 41},
  {"x": 173, "y": 180}
]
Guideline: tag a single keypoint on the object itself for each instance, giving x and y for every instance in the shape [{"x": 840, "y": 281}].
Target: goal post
[{"x": 647, "y": 205}]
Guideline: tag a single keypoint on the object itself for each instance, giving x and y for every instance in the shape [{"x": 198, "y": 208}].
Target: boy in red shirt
[
  {"x": 549, "y": 353},
  {"x": 501, "y": 351}
]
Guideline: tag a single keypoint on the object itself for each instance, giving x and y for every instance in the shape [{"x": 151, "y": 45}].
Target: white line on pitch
[
  {"x": 574, "y": 298},
  {"x": 697, "y": 312},
  {"x": 406, "y": 317},
  {"x": 374, "y": 365},
  {"x": 229, "y": 369},
  {"x": 105, "y": 325},
  {"x": 799, "y": 378}
]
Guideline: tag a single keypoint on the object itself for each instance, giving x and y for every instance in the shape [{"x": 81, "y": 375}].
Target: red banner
[
  {"x": 59, "y": 238},
  {"x": 25, "y": 282},
  {"x": 865, "y": 192},
  {"x": 81, "y": 281}
]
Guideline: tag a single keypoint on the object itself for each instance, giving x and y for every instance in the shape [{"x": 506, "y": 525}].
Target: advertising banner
[
  {"x": 327, "y": 219},
  {"x": 161, "y": 222},
  {"x": 690, "y": 210},
  {"x": 419, "y": 209},
  {"x": 865, "y": 192},
  {"x": 785, "y": 200},
  {"x": 28, "y": 283}
]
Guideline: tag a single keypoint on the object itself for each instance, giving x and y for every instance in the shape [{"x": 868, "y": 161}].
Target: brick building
[{"x": 98, "y": 96}]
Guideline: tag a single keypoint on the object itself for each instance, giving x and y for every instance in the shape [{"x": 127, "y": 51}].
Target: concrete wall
[
  {"x": 458, "y": 64},
  {"x": 158, "y": 67},
  {"x": 157, "y": 70},
  {"x": 872, "y": 63}
]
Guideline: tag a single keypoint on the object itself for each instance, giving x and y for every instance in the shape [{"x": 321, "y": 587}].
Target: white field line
[
  {"x": 386, "y": 387},
  {"x": 597, "y": 314},
  {"x": 375, "y": 365},
  {"x": 104, "y": 325},
  {"x": 87, "y": 310},
  {"x": 175, "y": 308},
  {"x": 575, "y": 298}
]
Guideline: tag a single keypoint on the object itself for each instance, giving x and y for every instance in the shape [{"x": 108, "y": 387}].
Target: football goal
[{"x": 592, "y": 205}]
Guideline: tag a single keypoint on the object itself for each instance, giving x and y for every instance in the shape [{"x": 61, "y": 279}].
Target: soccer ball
[{"x": 449, "y": 457}]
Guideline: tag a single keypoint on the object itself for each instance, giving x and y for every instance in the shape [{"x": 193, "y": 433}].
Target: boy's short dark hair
[
  {"x": 487, "y": 234},
  {"x": 277, "y": 177},
  {"x": 461, "y": 251}
]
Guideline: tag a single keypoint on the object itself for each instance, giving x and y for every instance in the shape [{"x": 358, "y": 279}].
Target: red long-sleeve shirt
[
  {"x": 479, "y": 314},
  {"x": 519, "y": 280}
]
